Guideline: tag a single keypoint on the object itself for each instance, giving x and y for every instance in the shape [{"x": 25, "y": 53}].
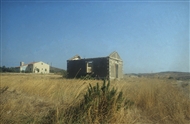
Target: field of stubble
[{"x": 36, "y": 99}]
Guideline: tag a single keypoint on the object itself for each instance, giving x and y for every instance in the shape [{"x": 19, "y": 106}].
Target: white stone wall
[
  {"x": 112, "y": 66},
  {"x": 41, "y": 67}
]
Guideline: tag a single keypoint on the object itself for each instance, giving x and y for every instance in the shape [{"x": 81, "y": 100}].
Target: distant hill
[
  {"x": 175, "y": 75},
  {"x": 168, "y": 74},
  {"x": 57, "y": 70}
]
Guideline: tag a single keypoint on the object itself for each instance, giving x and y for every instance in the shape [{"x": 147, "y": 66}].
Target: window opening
[{"x": 89, "y": 66}]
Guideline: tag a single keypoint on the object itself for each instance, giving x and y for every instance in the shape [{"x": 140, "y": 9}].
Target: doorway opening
[{"x": 116, "y": 70}]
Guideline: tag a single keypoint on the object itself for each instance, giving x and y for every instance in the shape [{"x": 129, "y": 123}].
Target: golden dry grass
[{"x": 36, "y": 98}]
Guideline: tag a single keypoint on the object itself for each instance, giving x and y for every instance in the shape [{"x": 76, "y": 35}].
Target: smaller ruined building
[
  {"x": 110, "y": 67},
  {"x": 34, "y": 67}
]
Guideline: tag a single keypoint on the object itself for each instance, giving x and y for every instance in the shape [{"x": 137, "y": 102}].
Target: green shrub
[{"x": 98, "y": 106}]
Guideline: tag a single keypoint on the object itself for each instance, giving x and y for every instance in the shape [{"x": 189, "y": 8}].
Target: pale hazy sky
[{"x": 150, "y": 36}]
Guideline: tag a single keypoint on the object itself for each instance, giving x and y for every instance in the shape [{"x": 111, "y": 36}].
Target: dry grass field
[{"x": 36, "y": 99}]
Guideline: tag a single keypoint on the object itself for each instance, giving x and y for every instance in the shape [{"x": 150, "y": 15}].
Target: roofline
[
  {"x": 71, "y": 59},
  {"x": 116, "y": 59},
  {"x": 90, "y": 58},
  {"x": 36, "y": 62},
  {"x": 31, "y": 64}
]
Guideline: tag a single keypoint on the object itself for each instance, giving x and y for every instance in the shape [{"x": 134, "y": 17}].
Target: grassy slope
[{"x": 37, "y": 98}]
